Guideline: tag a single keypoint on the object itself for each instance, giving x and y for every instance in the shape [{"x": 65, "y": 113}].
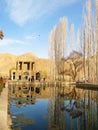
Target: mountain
[
  {"x": 7, "y": 61},
  {"x": 27, "y": 56}
]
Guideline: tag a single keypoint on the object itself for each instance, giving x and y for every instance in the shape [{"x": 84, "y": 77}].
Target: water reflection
[
  {"x": 21, "y": 120},
  {"x": 82, "y": 108},
  {"x": 56, "y": 108},
  {"x": 53, "y": 107}
]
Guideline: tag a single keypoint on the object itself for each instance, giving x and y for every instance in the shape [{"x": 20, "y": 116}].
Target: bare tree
[
  {"x": 75, "y": 65},
  {"x": 72, "y": 37},
  {"x": 88, "y": 39},
  {"x": 58, "y": 46}
]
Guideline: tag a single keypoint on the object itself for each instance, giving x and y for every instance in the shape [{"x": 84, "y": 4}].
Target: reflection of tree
[
  {"x": 74, "y": 106},
  {"x": 20, "y": 121},
  {"x": 72, "y": 94},
  {"x": 81, "y": 105},
  {"x": 56, "y": 108}
]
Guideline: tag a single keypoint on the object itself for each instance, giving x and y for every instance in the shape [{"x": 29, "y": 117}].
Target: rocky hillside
[{"x": 8, "y": 61}]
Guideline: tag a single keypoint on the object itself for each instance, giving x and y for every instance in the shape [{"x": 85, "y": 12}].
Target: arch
[
  {"x": 26, "y": 75},
  {"x": 32, "y": 78},
  {"x": 37, "y": 76}
]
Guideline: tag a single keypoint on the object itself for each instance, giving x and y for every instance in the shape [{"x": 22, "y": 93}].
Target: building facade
[{"x": 25, "y": 70}]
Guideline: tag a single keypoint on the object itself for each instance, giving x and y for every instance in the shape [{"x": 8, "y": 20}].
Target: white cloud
[
  {"x": 20, "y": 11},
  {"x": 10, "y": 41}
]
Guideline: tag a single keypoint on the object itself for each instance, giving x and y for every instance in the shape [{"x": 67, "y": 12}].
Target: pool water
[
  {"x": 53, "y": 108},
  {"x": 29, "y": 116}
]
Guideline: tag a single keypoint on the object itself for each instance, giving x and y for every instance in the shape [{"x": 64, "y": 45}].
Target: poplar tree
[{"x": 58, "y": 48}]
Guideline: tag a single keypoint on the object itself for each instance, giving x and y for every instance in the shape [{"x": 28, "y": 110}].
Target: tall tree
[
  {"x": 58, "y": 47},
  {"x": 72, "y": 37},
  {"x": 88, "y": 37}
]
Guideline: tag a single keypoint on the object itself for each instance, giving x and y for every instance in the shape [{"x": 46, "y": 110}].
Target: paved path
[{"x": 4, "y": 109}]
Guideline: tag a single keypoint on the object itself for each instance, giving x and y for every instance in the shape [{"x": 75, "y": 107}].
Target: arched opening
[
  {"x": 26, "y": 75},
  {"x": 32, "y": 78},
  {"x": 19, "y": 77},
  {"x": 37, "y": 76}
]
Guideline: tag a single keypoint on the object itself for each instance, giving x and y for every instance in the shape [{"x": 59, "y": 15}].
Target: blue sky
[{"x": 27, "y": 23}]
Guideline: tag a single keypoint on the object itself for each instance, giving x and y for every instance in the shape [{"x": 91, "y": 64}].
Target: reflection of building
[
  {"x": 29, "y": 91},
  {"x": 24, "y": 71}
]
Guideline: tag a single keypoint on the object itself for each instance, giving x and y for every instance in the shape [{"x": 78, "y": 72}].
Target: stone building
[{"x": 25, "y": 70}]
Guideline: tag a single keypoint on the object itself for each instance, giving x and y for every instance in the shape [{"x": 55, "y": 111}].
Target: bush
[{"x": 1, "y": 86}]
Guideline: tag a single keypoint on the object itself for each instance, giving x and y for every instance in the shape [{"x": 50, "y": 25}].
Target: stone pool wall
[{"x": 5, "y": 120}]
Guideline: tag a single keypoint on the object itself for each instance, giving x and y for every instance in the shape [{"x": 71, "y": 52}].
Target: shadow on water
[{"x": 53, "y": 107}]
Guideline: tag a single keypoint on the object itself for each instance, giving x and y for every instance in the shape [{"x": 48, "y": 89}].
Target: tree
[
  {"x": 88, "y": 41},
  {"x": 57, "y": 48},
  {"x": 75, "y": 63},
  {"x": 75, "y": 67},
  {"x": 1, "y": 35},
  {"x": 72, "y": 37}
]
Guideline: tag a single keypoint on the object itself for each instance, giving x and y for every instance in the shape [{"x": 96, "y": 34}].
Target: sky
[{"x": 27, "y": 23}]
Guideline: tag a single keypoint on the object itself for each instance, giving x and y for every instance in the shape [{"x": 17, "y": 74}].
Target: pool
[{"x": 53, "y": 107}]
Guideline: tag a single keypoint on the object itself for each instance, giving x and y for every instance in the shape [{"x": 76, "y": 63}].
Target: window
[
  {"x": 20, "y": 65},
  {"x": 19, "y": 77},
  {"x": 13, "y": 75}
]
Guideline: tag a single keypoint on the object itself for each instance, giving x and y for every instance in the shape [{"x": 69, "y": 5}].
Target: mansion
[{"x": 25, "y": 70}]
